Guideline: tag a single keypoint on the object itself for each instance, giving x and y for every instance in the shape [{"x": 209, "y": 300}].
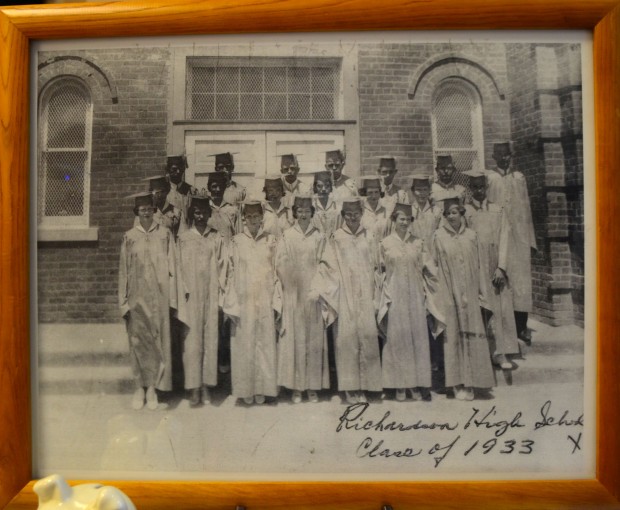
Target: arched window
[
  {"x": 65, "y": 132},
  {"x": 457, "y": 123}
]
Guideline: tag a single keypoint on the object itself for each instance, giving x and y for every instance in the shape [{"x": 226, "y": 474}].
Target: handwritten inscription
[{"x": 510, "y": 433}]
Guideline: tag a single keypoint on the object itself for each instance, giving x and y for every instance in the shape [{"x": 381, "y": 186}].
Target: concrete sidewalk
[{"x": 88, "y": 429}]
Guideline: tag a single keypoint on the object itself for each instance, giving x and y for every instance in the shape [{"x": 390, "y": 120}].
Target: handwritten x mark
[{"x": 576, "y": 442}]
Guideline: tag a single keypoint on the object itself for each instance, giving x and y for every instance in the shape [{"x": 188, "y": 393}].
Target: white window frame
[
  {"x": 476, "y": 117},
  {"x": 64, "y": 228}
]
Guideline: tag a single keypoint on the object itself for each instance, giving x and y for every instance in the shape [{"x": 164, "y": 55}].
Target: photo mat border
[{"x": 18, "y": 25}]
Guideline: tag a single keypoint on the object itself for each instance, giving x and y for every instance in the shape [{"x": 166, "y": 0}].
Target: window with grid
[
  {"x": 457, "y": 125},
  {"x": 267, "y": 90},
  {"x": 65, "y": 149}
]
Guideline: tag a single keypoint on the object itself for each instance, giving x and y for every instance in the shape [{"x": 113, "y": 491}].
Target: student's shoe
[
  {"x": 151, "y": 398},
  {"x": 467, "y": 393},
  {"x": 416, "y": 394},
  {"x": 502, "y": 362},
  {"x": 361, "y": 397},
  {"x": 312, "y": 396},
  {"x": 259, "y": 399},
  {"x": 137, "y": 401},
  {"x": 350, "y": 397},
  {"x": 296, "y": 397},
  {"x": 401, "y": 395},
  {"x": 525, "y": 336},
  {"x": 206, "y": 395},
  {"x": 248, "y": 400},
  {"x": 194, "y": 397}
]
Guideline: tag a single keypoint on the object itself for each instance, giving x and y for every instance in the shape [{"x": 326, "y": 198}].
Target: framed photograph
[{"x": 407, "y": 97}]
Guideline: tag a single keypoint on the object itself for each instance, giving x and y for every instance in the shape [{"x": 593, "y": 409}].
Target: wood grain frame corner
[{"x": 20, "y": 25}]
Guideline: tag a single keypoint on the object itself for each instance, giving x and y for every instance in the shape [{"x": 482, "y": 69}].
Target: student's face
[
  {"x": 145, "y": 212},
  {"x": 273, "y": 193},
  {"x": 446, "y": 173},
  {"x": 422, "y": 192},
  {"x": 387, "y": 174},
  {"x": 479, "y": 191},
  {"x": 502, "y": 158},
  {"x": 216, "y": 189},
  {"x": 253, "y": 220},
  {"x": 335, "y": 166},
  {"x": 175, "y": 174},
  {"x": 226, "y": 168},
  {"x": 454, "y": 217},
  {"x": 304, "y": 214},
  {"x": 200, "y": 216},
  {"x": 322, "y": 187},
  {"x": 353, "y": 217},
  {"x": 373, "y": 195},
  {"x": 289, "y": 172},
  {"x": 402, "y": 221},
  {"x": 159, "y": 197}
]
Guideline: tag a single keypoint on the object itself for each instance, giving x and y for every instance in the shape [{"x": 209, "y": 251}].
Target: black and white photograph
[{"x": 314, "y": 257}]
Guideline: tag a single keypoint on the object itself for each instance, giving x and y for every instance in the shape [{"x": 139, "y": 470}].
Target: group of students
[{"x": 375, "y": 287}]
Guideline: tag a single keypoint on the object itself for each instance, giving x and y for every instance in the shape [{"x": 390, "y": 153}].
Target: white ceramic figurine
[{"x": 55, "y": 493}]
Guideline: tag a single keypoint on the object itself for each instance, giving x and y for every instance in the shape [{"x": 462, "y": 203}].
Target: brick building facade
[{"x": 375, "y": 98}]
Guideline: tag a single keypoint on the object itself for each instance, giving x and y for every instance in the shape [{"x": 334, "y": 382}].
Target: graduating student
[
  {"x": 234, "y": 192},
  {"x": 180, "y": 191},
  {"x": 376, "y": 216},
  {"x": 348, "y": 290},
  {"x": 455, "y": 252},
  {"x": 445, "y": 184},
  {"x": 426, "y": 214},
  {"x": 408, "y": 291},
  {"x": 490, "y": 223},
  {"x": 278, "y": 217},
  {"x": 391, "y": 192},
  {"x": 146, "y": 293},
  {"x": 302, "y": 345},
  {"x": 508, "y": 189},
  {"x": 327, "y": 217},
  {"x": 344, "y": 187},
  {"x": 224, "y": 216},
  {"x": 289, "y": 170},
  {"x": 249, "y": 303},
  {"x": 201, "y": 278},
  {"x": 165, "y": 214}
]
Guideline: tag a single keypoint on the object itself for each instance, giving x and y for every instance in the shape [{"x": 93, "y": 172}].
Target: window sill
[{"x": 61, "y": 234}]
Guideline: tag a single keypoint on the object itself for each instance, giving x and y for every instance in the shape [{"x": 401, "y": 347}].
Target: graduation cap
[
  {"x": 323, "y": 175},
  {"x": 200, "y": 201},
  {"x": 387, "y": 162},
  {"x": 217, "y": 177},
  {"x": 420, "y": 179},
  {"x": 302, "y": 201},
  {"x": 224, "y": 158},
  {"x": 142, "y": 198},
  {"x": 252, "y": 206},
  {"x": 449, "y": 199},
  {"x": 476, "y": 176},
  {"x": 272, "y": 181},
  {"x": 287, "y": 160},
  {"x": 351, "y": 204},
  {"x": 502, "y": 148},
  {"x": 371, "y": 182},
  {"x": 444, "y": 160},
  {"x": 158, "y": 183},
  {"x": 178, "y": 161},
  {"x": 404, "y": 208},
  {"x": 334, "y": 155}
]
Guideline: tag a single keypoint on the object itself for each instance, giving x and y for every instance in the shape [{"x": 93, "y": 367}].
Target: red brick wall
[
  {"x": 392, "y": 122},
  {"x": 78, "y": 281}
]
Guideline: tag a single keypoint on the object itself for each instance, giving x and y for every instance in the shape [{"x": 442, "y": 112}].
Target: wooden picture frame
[{"x": 20, "y": 25}]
